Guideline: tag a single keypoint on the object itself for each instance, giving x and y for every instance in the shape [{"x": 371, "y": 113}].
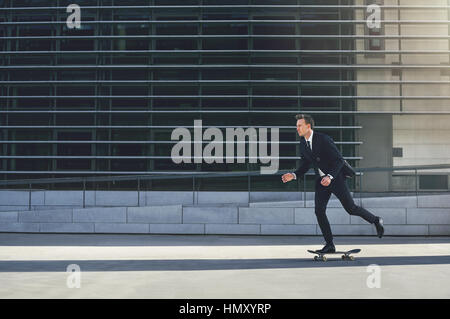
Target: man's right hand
[{"x": 287, "y": 177}]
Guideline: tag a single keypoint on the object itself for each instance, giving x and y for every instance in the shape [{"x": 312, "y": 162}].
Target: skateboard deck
[{"x": 346, "y": 255}]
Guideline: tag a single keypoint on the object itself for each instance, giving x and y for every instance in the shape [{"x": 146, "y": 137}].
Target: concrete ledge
[
  {"x": 177, "y": 229},
  {"x": 439, "y": 230},
  {"x": 407, "y": 230},
  {"x": 67, "y": 198},
  {"x": 116, "y": 198},
  {"x": 53, "y": 207},
  {"x": 305, "y": 216},
  {"x": 277, "y": 196},
  {"x": 367, "y": 230},
  {"x": 155, "y": 214},
  {"x": 210, "y": 215},
  {"x": 38, "y": 197},
  {"x": 291, "y": 204},
  {"x": 308, "y": 216},
  {"x": 288, "y": 229},
  {"x": 223, "y": 218},
  {"x": 46, "y": 216},
  {"x": 333, "y": 202},
  {"x": 436, "y": 201},
  {"x": 10, "y": 208},
  {"x": 223, "y": 229},
  {"x": 266, "y": 215},
  {"x": 107, "y": 215},
  {"x": 391, "y": 202},
  {"x": 66, "y": 227},
  {"x": 381, "y": 202},
  {"x": 9, "y": 217},
  {"x": 153, "y": 198},
  {"x": 436, "y": 216},
  {"x": 19, "y": 227},
  {"x": 121, "y": 228},
  {"x": 14, "y": 197},
  {"x": 168, "y": 198},
  {"x": 338, "y": 216},
  {"x": 222, "y": 197},
  {"x": 390, "y": 216}
]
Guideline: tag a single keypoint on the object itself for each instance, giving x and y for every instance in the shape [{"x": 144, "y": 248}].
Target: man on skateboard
[{"x": 318, "y": 150}]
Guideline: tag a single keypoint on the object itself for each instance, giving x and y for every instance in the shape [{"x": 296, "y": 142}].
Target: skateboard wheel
[
  {"x": 343, "y": 257},
  {"x": 324, "y": 258},
  {"x": 316, "y": 258},
  {"x": 351, "y": 258}
]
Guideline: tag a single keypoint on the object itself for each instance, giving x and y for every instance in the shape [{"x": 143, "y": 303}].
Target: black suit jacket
[{"x": 325, "y": 155}]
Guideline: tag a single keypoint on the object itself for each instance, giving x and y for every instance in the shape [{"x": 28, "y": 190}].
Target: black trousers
[{"x": 339, "y": 188}]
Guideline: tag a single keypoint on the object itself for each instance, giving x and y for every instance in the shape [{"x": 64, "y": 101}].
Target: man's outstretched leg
[{"x": 342, "y": 192}]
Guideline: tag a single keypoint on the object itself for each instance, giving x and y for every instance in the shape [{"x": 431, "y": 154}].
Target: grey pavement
[{"x": 218, "y": 266}]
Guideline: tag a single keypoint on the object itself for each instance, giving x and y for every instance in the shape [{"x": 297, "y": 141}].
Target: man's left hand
[{"x": 326, "y": 181}]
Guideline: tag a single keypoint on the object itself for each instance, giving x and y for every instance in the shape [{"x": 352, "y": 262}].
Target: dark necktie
[{"x": 309, "y": 145}]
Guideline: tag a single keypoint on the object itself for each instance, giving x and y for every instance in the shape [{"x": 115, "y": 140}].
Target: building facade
[{"x": 103, "y": 99}]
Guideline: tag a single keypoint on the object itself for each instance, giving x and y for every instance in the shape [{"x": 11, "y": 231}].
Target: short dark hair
[{"x": 308, "y": 119}]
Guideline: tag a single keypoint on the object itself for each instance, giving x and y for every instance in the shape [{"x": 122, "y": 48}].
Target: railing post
[
  {"x": 304, "y": 190},
  {"x": 360, "y": 188},
  {"x": 248, "y": 187},
  {"x": 84, "y": 193},
  {"x": 29, "y": 197},
  {"x": 417, "y": 187},
  {"x": 193, "y": 189},
  {"x": 138, "y": 190}
]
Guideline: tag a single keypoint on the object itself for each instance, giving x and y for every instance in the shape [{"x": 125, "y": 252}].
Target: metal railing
[
  {"x": 196, "y": 176},
  {"x": 245, "y": 6},
  {"x": 227, "y": 21},
  {"x": 196, "y": 36},
  {"x": 227, "y": 66}
]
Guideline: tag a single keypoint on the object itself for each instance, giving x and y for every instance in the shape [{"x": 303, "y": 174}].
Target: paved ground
[{"x": 149, "y": 266}]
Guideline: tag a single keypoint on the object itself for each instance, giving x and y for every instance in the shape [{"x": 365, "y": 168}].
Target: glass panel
[
  {"x": 224, "y": 28},
  {"x": 97, "y": 70}
]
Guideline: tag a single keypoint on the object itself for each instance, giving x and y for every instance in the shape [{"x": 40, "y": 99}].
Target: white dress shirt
[{"x": 310, "y": 140}]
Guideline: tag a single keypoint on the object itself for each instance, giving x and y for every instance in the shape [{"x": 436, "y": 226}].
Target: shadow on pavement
[
  {"x": 211, "y": 264},
  {"x": 124, "y": 240}
]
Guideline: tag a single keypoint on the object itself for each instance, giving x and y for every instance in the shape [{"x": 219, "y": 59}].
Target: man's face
[{"x": 303, "y": 128}]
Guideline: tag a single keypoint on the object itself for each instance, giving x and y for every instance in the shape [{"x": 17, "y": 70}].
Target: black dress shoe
[
  {"x": 379, "y": 227},
  {"x": 329, "y": 248}
]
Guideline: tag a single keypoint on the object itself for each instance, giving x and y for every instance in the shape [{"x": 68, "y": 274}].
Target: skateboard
[{"x": 346, "y": 254}]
